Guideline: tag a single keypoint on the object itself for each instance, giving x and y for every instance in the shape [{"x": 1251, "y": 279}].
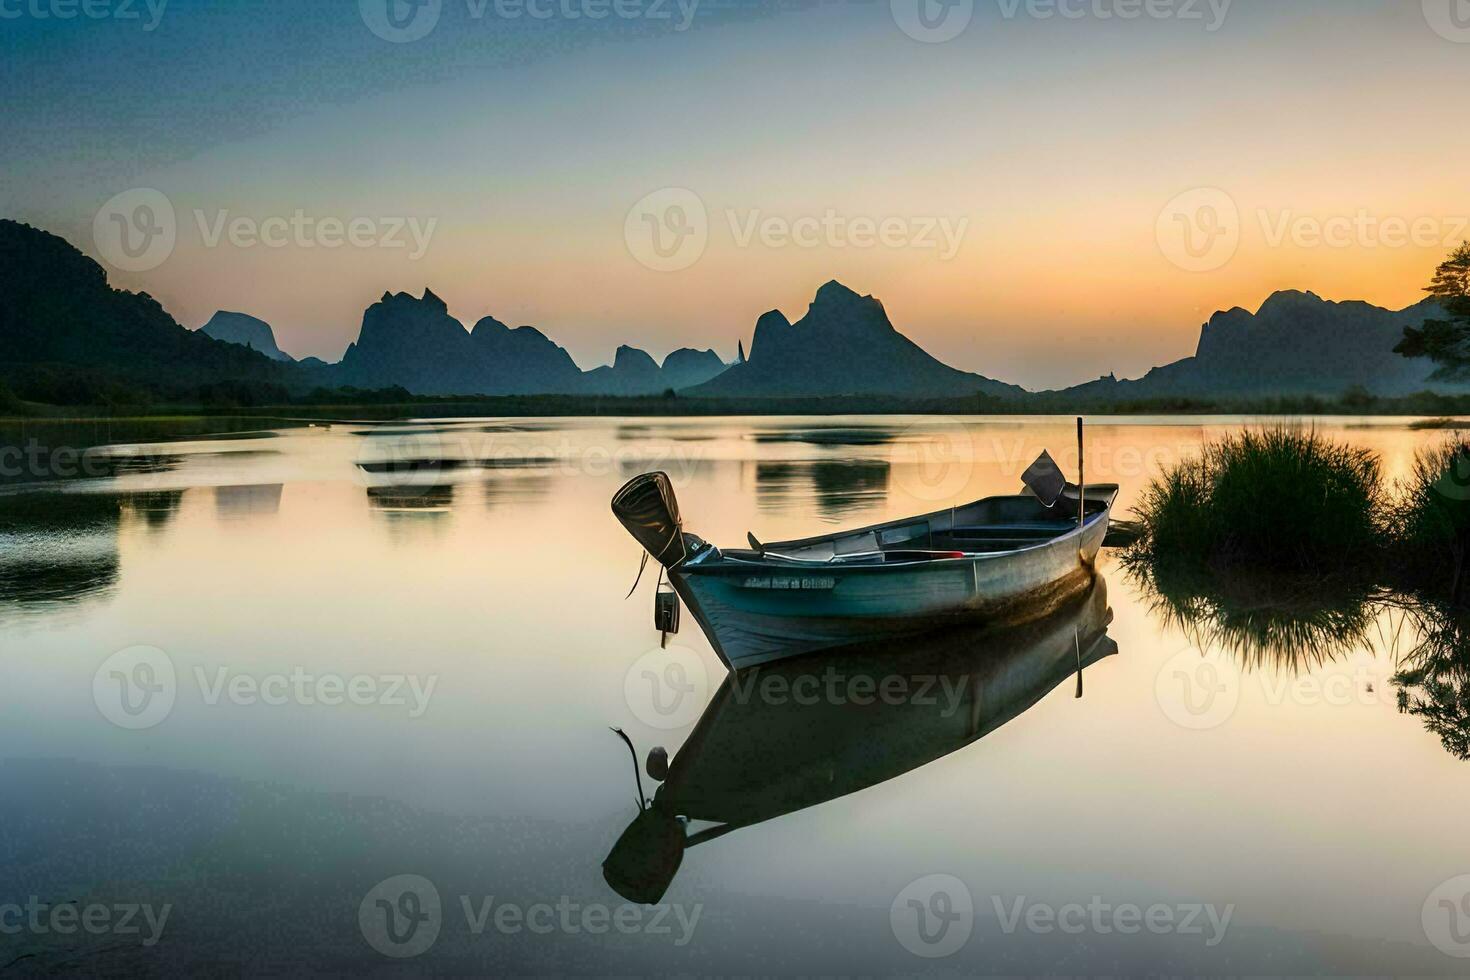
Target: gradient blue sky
[{"x": 1058, "y": 142}]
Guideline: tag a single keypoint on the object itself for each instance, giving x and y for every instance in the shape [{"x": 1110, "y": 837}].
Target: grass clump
[
  {"x": 1278, "y": 499},
  {"x": 1428, "y": 521}
]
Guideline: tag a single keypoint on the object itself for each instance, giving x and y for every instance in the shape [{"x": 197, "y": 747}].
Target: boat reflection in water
[{"x": 782, "y": 737}]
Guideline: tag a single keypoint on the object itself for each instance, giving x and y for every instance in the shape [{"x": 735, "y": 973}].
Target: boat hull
[{"x": 758, "y": 614}]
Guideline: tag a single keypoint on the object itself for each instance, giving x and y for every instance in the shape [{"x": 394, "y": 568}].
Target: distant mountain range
[
  {"x": 58, "y": 314},
  {"x": 417, "y": 344},
  {"x": 1296, "y": 343}
]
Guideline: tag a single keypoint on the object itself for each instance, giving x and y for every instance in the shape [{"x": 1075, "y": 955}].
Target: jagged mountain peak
[
  {"x": 429, "y": 300},
  {"x": 633, "y": 357},
  {"x": 487, "y": 325},
  {"x": 836, "y": 307},
  {"x": 245, "y": 330},
  {"x": 845, "y": 345},
  {"x": 1284, "y": 300}
]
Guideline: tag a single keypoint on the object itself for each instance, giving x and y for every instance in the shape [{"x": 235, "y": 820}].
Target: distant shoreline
[{"x": 1425, "y": 405}]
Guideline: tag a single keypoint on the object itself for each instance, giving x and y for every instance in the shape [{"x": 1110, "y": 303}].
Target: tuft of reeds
[
  {"x": 1427, "y": 520},
  {"x": 1280, "y": 499}
]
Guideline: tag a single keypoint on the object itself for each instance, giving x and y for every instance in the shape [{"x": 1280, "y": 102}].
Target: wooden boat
[
  {"x": 753, "y": 758},
  {"x": 998, "y": 560}
]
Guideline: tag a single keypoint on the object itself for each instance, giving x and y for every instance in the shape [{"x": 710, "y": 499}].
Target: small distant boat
[{"x": 1000, "y": 560}]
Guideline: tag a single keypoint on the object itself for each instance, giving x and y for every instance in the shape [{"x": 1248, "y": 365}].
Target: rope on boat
[{"x": 637, "y": 777}]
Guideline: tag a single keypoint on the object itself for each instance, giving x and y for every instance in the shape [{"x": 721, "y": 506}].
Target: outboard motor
[
  {"x": 645, "y": 859},
  {"x": 646, "y": 506}
]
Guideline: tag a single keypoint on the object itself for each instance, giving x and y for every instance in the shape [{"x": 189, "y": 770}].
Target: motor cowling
[{"x": 647, "y": 507}]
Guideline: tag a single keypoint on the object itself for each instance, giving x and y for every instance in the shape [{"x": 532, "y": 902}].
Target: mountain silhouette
[
  {"x": 417, "y": 344},
  {"x": 67, "y": 334},
  {"x": 1297, "y": 343},
  {"x": 687, "y": 367},
  {"x": 247, "y": 331},
  {"x": 522, "y": 361},
  {"x": 58, "y": 311},
  {"x": 413, "y": 342},
  {"x": 845, "y": 345}
]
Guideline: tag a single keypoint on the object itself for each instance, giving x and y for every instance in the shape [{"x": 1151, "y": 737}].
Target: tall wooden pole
[{"x": 1081, "y": 478}]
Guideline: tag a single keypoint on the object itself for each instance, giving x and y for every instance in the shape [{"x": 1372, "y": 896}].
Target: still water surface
[{"x": 253, "y": 678}]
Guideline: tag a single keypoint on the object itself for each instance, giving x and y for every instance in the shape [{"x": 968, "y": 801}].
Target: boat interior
[{"x": 990, "y": 526}]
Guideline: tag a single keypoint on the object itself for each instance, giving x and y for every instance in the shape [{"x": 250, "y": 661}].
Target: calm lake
[{"x": 331, "y": 699}]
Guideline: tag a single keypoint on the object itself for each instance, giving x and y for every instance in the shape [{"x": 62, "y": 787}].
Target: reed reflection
[
  {"x": 1294, "y": 625},
  {"x": 1286, "y": 623},
  {"x": 1433, "y": 680},
  {"x": 787, "y": 736}
]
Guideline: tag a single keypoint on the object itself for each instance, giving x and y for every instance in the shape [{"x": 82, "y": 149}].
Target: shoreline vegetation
[
  {"x": 1287, "y": 505},
  {"x": 1431, "y": 409},
  {"x": 1287, "y": 551}
]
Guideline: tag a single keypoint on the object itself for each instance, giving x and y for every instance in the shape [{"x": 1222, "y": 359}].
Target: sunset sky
[{"x": 1065, "y": 156}]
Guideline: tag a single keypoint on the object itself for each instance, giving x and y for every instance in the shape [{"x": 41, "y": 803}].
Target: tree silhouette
[{"x": 1447, "y": 341}]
